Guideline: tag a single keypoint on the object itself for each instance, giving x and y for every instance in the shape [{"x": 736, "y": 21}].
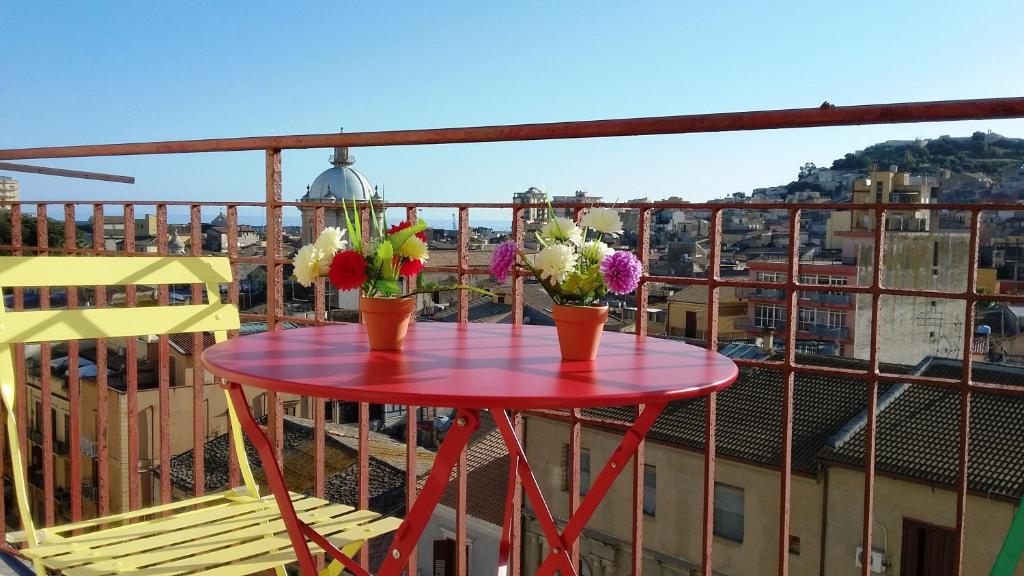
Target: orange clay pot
[
  {"x": 386, "y": 321},
  {"x": 579, "y": 330}
]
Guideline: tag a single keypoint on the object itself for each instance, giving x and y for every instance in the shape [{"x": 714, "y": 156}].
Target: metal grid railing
[{"x": 274, "y": 316}]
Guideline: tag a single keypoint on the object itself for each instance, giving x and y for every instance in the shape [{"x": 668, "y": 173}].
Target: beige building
[
  {"x": 687, "y": 315},
  {"x": 8, "y": 191},
  {"x": 893, "y": 187},
  {"x": 915, "y": 497}
]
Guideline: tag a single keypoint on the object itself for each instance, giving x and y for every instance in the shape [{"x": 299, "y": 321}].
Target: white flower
[
  {"x": 562, "y": 230},
  {"x": 555, "y": 262},
  {"x": 331, "y": 239},
  {"x": 328, "y": 243},
  {"x": 603, "y": 220},
  {"x": 595, "y": 250},
  {"x": 309, "y": 264}
]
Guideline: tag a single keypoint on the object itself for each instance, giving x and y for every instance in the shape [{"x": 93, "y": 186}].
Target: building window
[
  {"x": 728, "y": 521},
  {"x": 768, "y": 315},
  {"x": 794, "y": 545},
  {"x": 836, "y": 319},
  {"x": 770, "y": 277},
  {"x": 650, "y": 490},
  {"x": 807, "y": 321},
  {"x": 584, "y": 469}
]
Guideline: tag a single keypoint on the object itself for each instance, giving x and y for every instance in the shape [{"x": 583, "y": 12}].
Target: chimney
[{"x": 766, "y": 343}]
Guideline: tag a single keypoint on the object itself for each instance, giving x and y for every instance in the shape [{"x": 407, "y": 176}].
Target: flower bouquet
[
  {"x": 576, "y": 268},
  {"x": 375, "y": 268}
]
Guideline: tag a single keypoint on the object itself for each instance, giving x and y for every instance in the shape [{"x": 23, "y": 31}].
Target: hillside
[{"x": 982, "y": 153}]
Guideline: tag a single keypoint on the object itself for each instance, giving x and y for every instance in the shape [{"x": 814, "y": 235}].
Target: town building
[
  {"x": 533, "y": 216},
  {"x": 8, "y": 191},
  {"x": 915, "y": 479},
  {"x": 687, "y": 314},
  {"x": 580, "y": 197},
  {"x": 487, "y": 463}
]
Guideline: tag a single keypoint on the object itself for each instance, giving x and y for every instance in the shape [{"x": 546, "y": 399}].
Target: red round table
[{"x": 469, "y": 367}]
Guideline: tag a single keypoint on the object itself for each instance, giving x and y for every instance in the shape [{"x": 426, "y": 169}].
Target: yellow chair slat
[
  {"x": 29, "y": 271},
  {"x": 170, "y": 545},
  {"x": 217, "y": 550},
  {"x": 257, "y": 559},
  {"x": 125, "y": 540},
  {"x": 53, "y": 325},
  {"x": 223, "y": 535},
  {"x": 47, "y": 533}
]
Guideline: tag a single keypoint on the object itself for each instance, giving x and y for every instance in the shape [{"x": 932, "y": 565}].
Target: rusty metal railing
[{"x": 273, "y": 205}]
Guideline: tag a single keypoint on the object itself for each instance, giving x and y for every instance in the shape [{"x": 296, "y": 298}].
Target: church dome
[
  {"x": 340, "y": 182},
  {"x": 220, "y": 221}
]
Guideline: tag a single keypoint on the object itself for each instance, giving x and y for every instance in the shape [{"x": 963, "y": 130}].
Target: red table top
[{"x": 469, "y": 366}]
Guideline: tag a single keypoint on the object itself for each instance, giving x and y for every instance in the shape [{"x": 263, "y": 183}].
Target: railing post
[
  {"x": 711, "y": 403},
  {"x": 275, "y": 287}
]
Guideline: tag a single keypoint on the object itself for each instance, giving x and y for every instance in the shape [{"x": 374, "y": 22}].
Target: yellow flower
[
  {"x": 414, "y": 249},
  {"x": 309, "y": 264}
]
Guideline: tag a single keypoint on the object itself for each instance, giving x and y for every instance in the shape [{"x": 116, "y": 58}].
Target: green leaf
[
  {"x": 387, "y": 287},
  {"x": 402, "y": 236},
  {"x": 386, "y": 253},
  {"x": 354, "y": 233}
]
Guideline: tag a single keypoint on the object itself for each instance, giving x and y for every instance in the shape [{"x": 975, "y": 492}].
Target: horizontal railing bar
[
  {"x": 825, "y": 115},
  {"x": 684, "y": 206},
  {"x": 66, "y": 173}
]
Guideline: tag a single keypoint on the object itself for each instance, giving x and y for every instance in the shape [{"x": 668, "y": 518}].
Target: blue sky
[{"x": 102, "y": 72}]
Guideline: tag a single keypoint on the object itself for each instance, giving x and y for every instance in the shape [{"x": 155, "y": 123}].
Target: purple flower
[
  {"x": 503, "y": 260},
  {"x": 621, "y": 272}
]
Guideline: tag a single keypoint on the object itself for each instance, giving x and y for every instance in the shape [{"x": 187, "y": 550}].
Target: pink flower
[
  {"x": 621, "y": 272},
  {"x": 503, "y": 260}
]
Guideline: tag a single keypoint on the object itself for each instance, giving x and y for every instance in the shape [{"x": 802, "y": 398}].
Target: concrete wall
[
  {"x": 911, "y": 328},
  {"x": 985, "y": 527},
  {"x": 672, "y": 538}
]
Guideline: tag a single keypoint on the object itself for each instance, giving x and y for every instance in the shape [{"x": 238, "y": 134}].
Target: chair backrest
[{"x": 19, "y": 327}]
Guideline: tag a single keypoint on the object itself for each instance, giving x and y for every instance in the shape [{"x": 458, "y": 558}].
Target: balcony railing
[
  {"x": 825, "y": 331},
  {"x": 826, "y": 298},
  {"x": 762, "y": 324},
  {"x": 274, "y": 317},
  {"x": 761, "y": 293}
]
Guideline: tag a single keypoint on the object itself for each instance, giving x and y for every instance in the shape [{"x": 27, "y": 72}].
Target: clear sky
[{"x": 105, "y": 72}]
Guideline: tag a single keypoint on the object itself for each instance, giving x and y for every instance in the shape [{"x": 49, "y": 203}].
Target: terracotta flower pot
[
  {"x": 579, "y": 330},
  {"x": 386, "y": 321}
]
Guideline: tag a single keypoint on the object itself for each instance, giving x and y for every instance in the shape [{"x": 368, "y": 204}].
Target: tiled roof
[
  {"x": 749, "y": 417},
  {"x": 387, "y": 483},
  {"x": 183, "y": 342},
  {"x": 487, "y": 464},
  {"x": 918, "y": 432}
]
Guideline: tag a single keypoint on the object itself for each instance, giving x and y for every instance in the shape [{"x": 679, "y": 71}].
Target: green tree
[{"x": 29, "y": 227}]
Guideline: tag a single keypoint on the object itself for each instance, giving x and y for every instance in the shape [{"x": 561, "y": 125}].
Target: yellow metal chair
[{"x": 234, "y": 532}]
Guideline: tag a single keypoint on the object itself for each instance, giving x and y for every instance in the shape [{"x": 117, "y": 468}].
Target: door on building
[
  {"x": 927, "y": 549},
  {"x": 444, "y": 557},
  {"x": 691, "y": 325}
]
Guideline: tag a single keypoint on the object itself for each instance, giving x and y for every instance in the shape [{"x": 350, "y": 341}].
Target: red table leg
[
  {"x": 466, "y": 422},
  {"x": 505, "y": 547},
  {"x": 559, "y": 542},
  {"x": 274, "y": 478}
]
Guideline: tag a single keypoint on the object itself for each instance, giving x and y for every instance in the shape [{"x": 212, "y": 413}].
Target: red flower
[
  {"x": 411, "y": 268},
  {"x": 348, "y": 270},
  {"x": 402, "y": 226}
]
